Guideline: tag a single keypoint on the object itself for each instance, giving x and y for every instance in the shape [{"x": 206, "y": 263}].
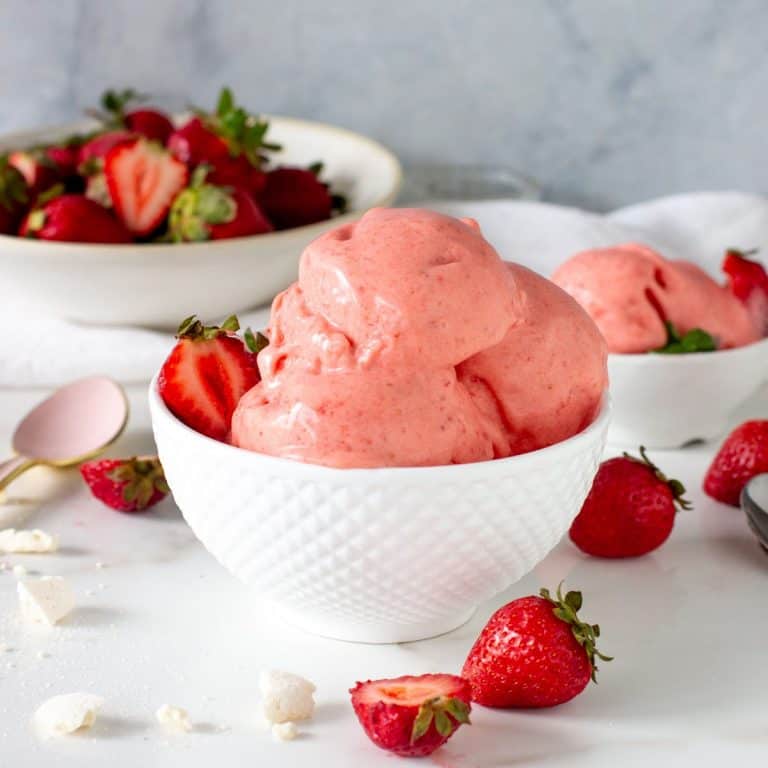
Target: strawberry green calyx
[
  {"x": 677, "y": 488},
  {"x": 696, "y": 340},
  {"x": 447, "y": 712},
  {"x": 113, "y": 104},
  {"x": 199, "y": 205},
  {"x": 243, "y": 133},
  {"x": 191, "y": 328},
  {"x": 566, "y": 609},
  {"x": 13, "y": 188},
  {"x": 255, "y": 342},
  {"x": 37, "y": 217},
  {"x": 142, "y": 476}
]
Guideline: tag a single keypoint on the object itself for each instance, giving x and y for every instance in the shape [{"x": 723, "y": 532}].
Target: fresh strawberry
[
  {"x": 205, "y": 211},
  {"x": 127, "y": 485},
  {"x": 748, "y": 281},
  {"x": 90, "y": 156},
  {"x": 74, "y": 219},
  {"x": 743, "y": 455},
  {"x": 231, "y": 141},
  {"x": 533, "y": 652},
  {"x": 207, "y": 373},
  {"x": 193, "y": 143},
  {"x": 64, "y": 157},
  {"x": 630, "y": 509},
  {"x": 14, "y": 195},
  {"x": 293, "y": 197},
  {"x": 38, "y": 170},
  {"x": 143, "y": 179},
  {"x": 148, "y": 122},
  {"x": 412, "y": 716}
]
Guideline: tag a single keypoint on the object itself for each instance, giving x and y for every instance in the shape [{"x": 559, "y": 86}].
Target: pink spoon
[{"x": 74, "y": 424}]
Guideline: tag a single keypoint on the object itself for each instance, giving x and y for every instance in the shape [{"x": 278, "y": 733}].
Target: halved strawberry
[
  {"x": 127, "y": 485},
  {"x": 206, "y": 374},
  {"x": 412, "y": 716},
  {"x": 748, "y": 282},
  {"x": 143, "y": 179}
]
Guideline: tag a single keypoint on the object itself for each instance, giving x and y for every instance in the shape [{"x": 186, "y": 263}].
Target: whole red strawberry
[
  {"x": 293, "y": 197},
  {"x": 143, "y": 179},
  {"x": 127, "y": 485},
  {"x": 207, "y": 373},
  {"x": 205, "y": 211},
  {"x": 74, "y": 219},
  {"x": 743, "y": 455},
  {"x": 630, "y": 509},
  {"x": 230, "y": 141},
  {"x": 13, "y": 196},
  {"x": 533, "y": 652},
  {"x": 748, "y": 281},
  {"x": 149, "y": 122},
  {"x": 412, "y": 716}
]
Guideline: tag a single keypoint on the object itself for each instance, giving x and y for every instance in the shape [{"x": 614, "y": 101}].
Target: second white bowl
[
  {"x": 375, "y": 555},
  {"x": 666, "y": 401}
]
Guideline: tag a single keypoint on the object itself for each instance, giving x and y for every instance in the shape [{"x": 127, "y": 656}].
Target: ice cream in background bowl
[
  {"x": 686, "y": 350},
  {"x": 428, "y": 423}
]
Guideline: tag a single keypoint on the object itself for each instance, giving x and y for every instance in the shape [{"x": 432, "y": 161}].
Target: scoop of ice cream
[
  {"x": 394, "y": 347},
  {"x": 543, "y": 382},
  {"x": 631, "y": 292}
]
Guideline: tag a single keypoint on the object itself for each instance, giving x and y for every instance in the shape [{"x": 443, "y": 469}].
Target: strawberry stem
[
  {"x": 677, "y": 488},
  {"x": 566, "y": 609}
]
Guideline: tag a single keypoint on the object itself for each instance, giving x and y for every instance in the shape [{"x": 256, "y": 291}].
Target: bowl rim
[
  {"x": 587, "y": 435},
  {"x": 97, "y": 249},
  {"x": 643, "y": 358}
]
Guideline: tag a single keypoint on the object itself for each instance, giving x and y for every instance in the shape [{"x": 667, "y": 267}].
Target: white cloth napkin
[{"x": 45, "y": 351}]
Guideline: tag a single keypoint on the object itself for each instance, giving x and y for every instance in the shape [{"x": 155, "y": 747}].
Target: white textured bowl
[
  {"x": 375, "y": 555},
  {"x": 154, "y": 285},
  {"x": 666, "y": 401}
]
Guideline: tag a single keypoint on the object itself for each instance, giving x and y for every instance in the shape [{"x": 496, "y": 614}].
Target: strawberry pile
[{"x": 139, "y": 178}]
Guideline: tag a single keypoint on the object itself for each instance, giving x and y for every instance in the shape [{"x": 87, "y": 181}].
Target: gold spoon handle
[{"x": 11, "y": 469}]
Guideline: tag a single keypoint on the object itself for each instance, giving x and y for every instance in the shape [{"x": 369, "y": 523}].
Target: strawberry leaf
[
  {"x": 443, "y": 723},
  {"x": 255, "y": 343},
  {"x": 696, "y": 340},
  {"x": 422, "y": 721}
]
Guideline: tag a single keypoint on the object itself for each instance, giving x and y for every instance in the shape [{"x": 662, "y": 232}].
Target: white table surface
[{"x": 164, "y": 623}]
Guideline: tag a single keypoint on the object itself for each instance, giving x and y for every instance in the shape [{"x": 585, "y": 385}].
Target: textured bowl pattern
[{"x": 383, "y": 555}]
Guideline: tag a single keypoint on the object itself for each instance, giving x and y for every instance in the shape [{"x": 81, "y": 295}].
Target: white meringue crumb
[
  {"x": 173, "y": 718},
  {"x": 286, "y": 697},
  {"x": 19, "y": 571},
  {"x": 67, "y": 713},
  {"x": 46, "y": 600},
  {"x": 287, "y": 731},
  {"x": 32, "y": 541}
]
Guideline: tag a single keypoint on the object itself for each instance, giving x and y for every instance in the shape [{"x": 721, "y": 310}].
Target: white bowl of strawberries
[{"x": 134, "y": 218}]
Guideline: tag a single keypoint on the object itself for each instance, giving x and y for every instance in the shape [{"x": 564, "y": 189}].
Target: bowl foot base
[{"x": 374, "y": 632}]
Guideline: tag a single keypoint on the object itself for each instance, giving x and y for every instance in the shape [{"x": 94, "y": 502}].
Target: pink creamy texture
[
  {"x": 630, "y": 291},
  {"x": 407, "y": 341}
]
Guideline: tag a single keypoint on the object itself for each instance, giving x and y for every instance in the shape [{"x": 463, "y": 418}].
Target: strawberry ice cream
[
  {"x": 632, "y": 292},
  {"x": 407, "y": 341}
]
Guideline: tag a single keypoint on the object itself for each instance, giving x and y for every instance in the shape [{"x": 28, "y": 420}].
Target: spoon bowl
[{"x": 74, "y": 424}]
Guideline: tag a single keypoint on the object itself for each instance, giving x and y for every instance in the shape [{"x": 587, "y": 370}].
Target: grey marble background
[{"x": 606, "y": 102}]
